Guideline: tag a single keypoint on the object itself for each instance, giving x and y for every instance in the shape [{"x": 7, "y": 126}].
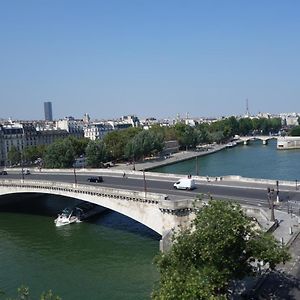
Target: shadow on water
[
  {"x": 52, "y": 205},
  {"x": 36, "y": 204},
  {"x": 117, "y": 221}
]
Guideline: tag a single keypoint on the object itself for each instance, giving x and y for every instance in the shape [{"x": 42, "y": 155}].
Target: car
[
  {"x": 95, "y": 179},
  {"x": 3, "y": 173},
  {"x": 26, "y": 171},
  {"x": 185, "y": 184}
]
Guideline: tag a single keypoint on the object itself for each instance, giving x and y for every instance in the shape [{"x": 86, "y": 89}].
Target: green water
[
  {"x": 108, "y": 258},
  {"x": 111, "y": 256},
  {"x": 254, "y": 160}
]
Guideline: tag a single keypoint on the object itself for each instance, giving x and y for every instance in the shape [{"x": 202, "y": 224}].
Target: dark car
[
  {"x": 95, "y": 179},
  {"x": 3, "y": 173}
]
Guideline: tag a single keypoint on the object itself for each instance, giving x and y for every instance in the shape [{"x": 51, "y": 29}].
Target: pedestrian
[{"x": 124, "y": 175}]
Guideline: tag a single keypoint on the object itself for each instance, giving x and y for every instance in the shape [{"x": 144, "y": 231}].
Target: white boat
[
  {"x": 65, "y": 218},
  {"x": 231, "y": 144}
]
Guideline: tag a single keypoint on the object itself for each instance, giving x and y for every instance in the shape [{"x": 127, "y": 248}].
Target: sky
[{"x": 154, "y": 58}]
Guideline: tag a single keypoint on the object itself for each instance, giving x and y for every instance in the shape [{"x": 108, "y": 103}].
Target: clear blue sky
[{"x": 149, "y": 58}]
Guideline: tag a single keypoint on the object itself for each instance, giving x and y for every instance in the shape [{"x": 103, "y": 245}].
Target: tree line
[{"x": 134, "y": 144}]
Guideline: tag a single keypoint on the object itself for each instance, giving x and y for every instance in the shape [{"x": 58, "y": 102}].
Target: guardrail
[{"x": 85, "y": 189}]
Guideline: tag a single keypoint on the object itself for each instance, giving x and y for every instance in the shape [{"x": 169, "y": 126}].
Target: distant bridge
[
  {"x": 154, "y": 210},
  {"x": 264, "y": 138}
]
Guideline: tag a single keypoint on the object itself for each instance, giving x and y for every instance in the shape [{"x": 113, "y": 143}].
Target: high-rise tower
[
  {"x": 48, "y": 111},
  {"x": 247, "y": 109}
]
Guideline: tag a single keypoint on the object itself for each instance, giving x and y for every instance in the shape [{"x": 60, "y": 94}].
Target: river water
[
  {"x": 111, "y": 256},
  {"x": 254, "y": 160}
]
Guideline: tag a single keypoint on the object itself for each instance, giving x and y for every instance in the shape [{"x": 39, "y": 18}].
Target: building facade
[
  {"x": 23, "y": 135},
  {"x": 97, "y": 131},
  {"x": 48, "y": 111}
]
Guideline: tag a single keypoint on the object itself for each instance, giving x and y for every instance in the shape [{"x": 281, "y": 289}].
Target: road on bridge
[{"x": 241, "y": 192}]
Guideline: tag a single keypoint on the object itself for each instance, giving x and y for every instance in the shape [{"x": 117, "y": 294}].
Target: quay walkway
[{"x": 174, "y": 158}]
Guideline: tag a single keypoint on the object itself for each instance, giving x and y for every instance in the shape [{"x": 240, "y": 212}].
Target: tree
[
  {"x": 245, "y": 126},
  {"x": 144, "y": 143},
  {"x": 24, "y": 294},
  {"x": 14, "y": 155},
  {"x": 185, "y": 135},
  {"x": 60, "y": 154},
  {"x": 34, "y": 152},
  {"x": 116, "y": 141},
  {"x": 79, "y": 145},
  {"x": 221, "y": 245},
  {"x": 96, "y": 154},
  {"x": 295, "y": 131}
]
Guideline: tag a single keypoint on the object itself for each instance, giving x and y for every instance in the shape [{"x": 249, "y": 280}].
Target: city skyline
[{"x": 148, "y": 58}]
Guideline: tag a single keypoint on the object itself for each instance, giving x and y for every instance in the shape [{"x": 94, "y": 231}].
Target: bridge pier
[{"x": 166, "y": 241}]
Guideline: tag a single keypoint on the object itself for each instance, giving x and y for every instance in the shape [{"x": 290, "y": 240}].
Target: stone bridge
[
  {"x": 154, "y": 210},
  {"x": 263, "y": 138}
]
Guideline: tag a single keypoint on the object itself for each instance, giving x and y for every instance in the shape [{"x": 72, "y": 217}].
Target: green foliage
[
  {"x": 245, "y": 126},
  {"x": 116, "y": 141},
  {"x": 96, "y": 154},
  {"x": 34, "y": 152},
  {"x": 60, "y": 154},
  {"x": 185, "y": 135},
  {"x": 49, "y": 296},
  {"x": 220, "y": 246},
  {"x": 79, "y": 145},
  {"x": 295, "y": 131},
  {"x": 24, "y": 294},
  {"x": 14, "y": 155},
  {"x": 144, "y": 143}
]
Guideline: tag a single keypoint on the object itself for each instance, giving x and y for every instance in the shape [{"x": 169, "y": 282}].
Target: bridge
[
  {"x": 154, "y": 210},
  {"x": 150, "y": 200},
  {"x": 264, "y": 138}
]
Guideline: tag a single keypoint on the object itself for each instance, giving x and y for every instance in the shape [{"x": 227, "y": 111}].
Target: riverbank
[{"x": 174, "y": 158}]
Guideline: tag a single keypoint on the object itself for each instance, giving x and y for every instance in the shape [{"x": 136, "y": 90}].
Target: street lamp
[
  {"x": 75, "y": 177},
  {"x": 22, "y": 165},
  {"x": 270, "y": 193},
  {"x": 145, "y": 185},
  {"x": 197, "y": 169},
  {"x": 277, "y": 191}
]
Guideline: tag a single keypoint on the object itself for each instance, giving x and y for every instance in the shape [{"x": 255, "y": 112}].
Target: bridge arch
[{"x": 150, "y": 209}]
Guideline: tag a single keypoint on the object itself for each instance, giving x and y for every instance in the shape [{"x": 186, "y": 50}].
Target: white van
[
  {"x": 26, "y": 171},
  {"x": 185, "y": 184}
]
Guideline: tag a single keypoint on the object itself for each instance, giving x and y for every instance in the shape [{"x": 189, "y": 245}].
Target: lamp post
[
  {"x": 197, "y": 169},
  {"x": 75, "y": 177},
  {"x": 22, "y": 165},
  {"x": 270, "y": 193},
  {"x": 145, "y": 184},
  {"x": 277, "y": 191}
]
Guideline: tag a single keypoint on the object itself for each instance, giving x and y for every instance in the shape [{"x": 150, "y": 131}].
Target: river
[
  {"x": 111, "y": 256},
  {"x": 254, "y": 160}
]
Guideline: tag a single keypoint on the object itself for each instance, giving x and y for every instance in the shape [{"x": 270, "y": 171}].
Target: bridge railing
[{"x": 86, "y": 189}]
